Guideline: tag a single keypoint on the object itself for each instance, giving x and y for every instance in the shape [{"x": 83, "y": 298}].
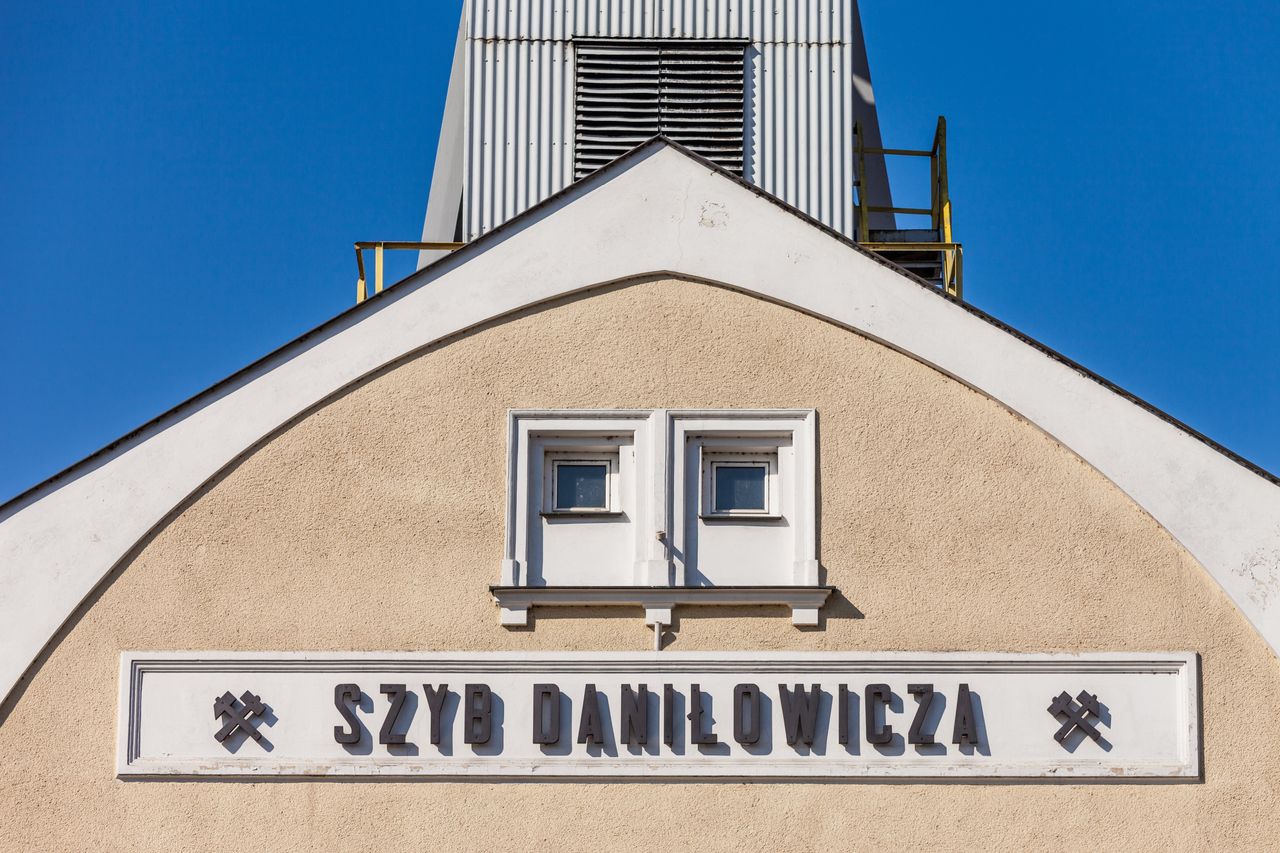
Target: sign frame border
[{"x": 135, "y": 664}]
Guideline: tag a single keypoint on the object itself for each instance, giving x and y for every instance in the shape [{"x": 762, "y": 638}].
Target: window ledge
[
  {"x": 582, "y": 513},
  {"x": 657, "y": 601}
]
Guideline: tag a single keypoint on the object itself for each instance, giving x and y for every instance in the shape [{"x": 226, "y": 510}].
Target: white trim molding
[
  {"x": 638, "y": 217},
  {"x": 805, "y": 602}
]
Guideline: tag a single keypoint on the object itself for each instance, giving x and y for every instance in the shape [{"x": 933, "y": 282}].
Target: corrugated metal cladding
[
  {"x": 799, "y": 110},
  {"x": 757, "y": 20}
]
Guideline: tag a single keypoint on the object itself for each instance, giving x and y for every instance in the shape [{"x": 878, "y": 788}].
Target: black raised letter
[
  {"x": 435, "y": 702},
  {"x": 546, "y": 713},
  {"x": 924, "y": 695},
  {"x": 479, "y": 714},
  {"x": 634, "y": 727},
  {"x": 878, "y": 730},
  {"x": 590, "y": 724},
  {"x": 696, "y": 734},
  {"x": 843, "y": 715},
  {"x": 746, "y": 707},
  {"x": 800, "y": 713},
  {"x": 668, "y": 714},
  {"x": 396, "y": 693},
  {"x": 966, "y": 728},
  {"x": 344, "y": 696}
]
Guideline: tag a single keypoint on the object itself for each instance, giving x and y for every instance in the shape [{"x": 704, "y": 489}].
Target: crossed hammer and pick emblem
[
  {"x": 1077, "y": 716},
  {"x": 237, "y": 714}
]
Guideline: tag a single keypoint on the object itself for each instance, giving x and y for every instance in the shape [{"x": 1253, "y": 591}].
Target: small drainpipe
[{"x": 657, "y": 623}]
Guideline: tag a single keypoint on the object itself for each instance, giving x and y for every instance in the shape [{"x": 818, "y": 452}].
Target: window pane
[
  {"x": 581, "y": 486},
  {"x": 740, "y": 488}
]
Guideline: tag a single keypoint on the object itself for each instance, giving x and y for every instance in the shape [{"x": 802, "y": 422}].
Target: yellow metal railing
[
  {"x": 378, "y": 247},
  {"x": 938, "y": 211}
]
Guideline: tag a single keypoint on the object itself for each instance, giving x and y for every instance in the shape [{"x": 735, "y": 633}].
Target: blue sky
[{"x": 180, "y": 188}]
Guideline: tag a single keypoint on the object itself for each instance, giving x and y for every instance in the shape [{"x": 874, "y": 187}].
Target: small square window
[
  {"x": 740, "y": 484},
  {"x": 580, "y": 483},
  {"x": 740, "y": 487},
  {"x": 581, "y": 486}
]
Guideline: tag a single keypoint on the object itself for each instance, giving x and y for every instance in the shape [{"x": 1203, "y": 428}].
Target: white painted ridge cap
[{"x": 639, "y": 216}]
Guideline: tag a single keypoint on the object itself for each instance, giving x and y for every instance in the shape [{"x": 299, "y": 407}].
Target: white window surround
[
  {"x": 582, "y": 434},
  {"x": 757, "y": 431},
  {"x": 715, "y": 460},
  {"x": 659, "y": 513},
  {"x": 555, "y": 460}
]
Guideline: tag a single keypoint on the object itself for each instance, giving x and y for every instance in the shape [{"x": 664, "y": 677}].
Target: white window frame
[
  {"x": 553, "y": 460},
  {"x": 714, "y": 459},
  {"x": 751, "y": 431},
  {"x": 657, "y": 504},
  {"x": 582, "y": 434}
]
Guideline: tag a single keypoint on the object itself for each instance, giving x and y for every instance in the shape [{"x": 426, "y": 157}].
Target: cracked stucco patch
[
  {"x": 713, "y": 215},
  {"x": 1261, "y": 571}
]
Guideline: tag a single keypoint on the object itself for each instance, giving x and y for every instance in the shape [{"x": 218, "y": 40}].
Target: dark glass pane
[
  {"x": 740, "y": 488},
  {"x": 581, "y": 486}
]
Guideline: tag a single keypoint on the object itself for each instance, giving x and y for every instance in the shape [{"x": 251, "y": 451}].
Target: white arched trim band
[{"x": 658, "y": 210}]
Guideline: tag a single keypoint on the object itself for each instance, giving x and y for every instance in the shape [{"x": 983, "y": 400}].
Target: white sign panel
[{"x": 757, "y": 715}]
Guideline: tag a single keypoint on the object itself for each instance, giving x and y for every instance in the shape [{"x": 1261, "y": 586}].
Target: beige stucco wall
[{"x": 376, "y": 522}]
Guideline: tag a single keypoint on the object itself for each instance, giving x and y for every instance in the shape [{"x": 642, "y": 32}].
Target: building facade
[{"x": 664, "y": 514}]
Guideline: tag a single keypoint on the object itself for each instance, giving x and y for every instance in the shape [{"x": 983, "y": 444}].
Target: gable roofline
[
  {"x": 481, "y": 244},
  {"x": 68, "y": 536}
]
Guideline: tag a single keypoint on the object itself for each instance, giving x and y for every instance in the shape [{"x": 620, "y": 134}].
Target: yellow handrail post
[
  {"x": 362, "y": 289},
  {"x": 956, "y": 286},
  {"x": 944, "y": 183},
  {"x": 944, "y": 198},
  {"x": 864, "y": 226},
  {"x": 935, "y": 196}
]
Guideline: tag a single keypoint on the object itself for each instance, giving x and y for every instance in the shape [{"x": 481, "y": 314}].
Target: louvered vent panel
[{"x": 629, "y": 90}]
